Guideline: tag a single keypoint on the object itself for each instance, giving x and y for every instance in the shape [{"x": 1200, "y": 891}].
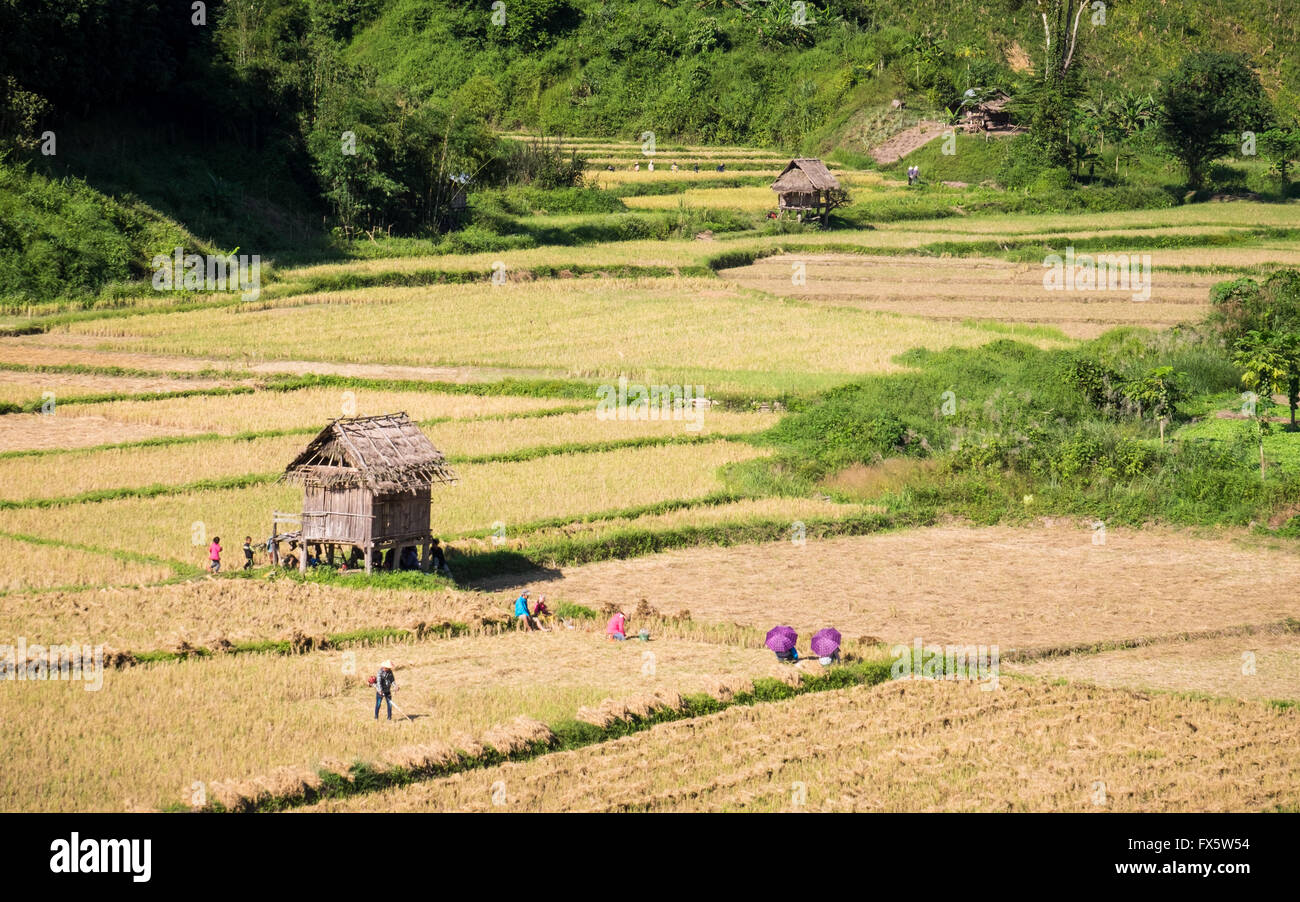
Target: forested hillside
[{"x": 228, "y": 119}]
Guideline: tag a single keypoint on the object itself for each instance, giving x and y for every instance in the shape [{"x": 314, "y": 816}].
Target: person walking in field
[
  {"x": 523, "y": 619},
  {"x": 385, "y": 682},
  {"x": 616, "y": 629},
  {"x": 248, "y": 552},
  {"x": 214, "y": 555}
]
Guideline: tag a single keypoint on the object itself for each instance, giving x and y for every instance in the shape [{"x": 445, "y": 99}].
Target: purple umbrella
[
  {"x": 826, "y": 642},
  {"x": 781, "y": 639}
]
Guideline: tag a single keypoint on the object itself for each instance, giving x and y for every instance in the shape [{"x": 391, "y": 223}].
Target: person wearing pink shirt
[
  {"x": 617, "y": 627},
  {"x": 214, "y": 555}
]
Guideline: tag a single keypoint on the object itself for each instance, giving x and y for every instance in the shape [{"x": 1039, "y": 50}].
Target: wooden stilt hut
[
  {"x": 366, "y": 482},
  {"x": 805, "y": 187}
]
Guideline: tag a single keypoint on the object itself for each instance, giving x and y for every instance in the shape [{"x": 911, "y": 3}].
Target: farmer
[
  {"x": 385, "y": 683},
  {"x": 523, "y": 619},
  {"x": 410, "y": 558},
  {"x": 438, "y": 561},
  {"x": 542, "y": 614},
  {"x": 790, "y": 656},
  {"x": 214, "y": 555},
  {"x": 616, "y": 629},
  {"x": 248, "y": 552}
]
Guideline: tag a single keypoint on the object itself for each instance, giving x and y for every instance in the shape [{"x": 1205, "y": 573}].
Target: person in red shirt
[
  {"x": 214, "y": 555},
  {"x": 616, "y": 629}
]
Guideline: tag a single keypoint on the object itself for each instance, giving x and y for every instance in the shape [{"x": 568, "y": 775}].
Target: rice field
[
  {"x": 986, "y": 289},
  {"x": 1174, "y": 723},
  {"x": 213, "y": 720},
  {"x": 1019, "y": 588},
  {"x": 28, "y": 478},
  {"x": 17, "y": 387},
  {"x": 489, "y": 496},
  {"x": 1260, "y": 666},
  {"x": 29, "y": 565},
  {"x": 651, "y": 330},
  {"x": 907, "y": 746},
  {"x": 61, "y": 430},
  {"x": 308, "y": 408},
  {"x": 209, "y": 613}
]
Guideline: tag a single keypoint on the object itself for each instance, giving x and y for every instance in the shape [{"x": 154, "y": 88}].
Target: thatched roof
[
  {"x": 387, "y": 453},
  {"x": 803, "y": 175}
]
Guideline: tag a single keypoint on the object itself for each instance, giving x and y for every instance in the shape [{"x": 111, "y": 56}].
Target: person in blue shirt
[{"x": 523, "y": 618}]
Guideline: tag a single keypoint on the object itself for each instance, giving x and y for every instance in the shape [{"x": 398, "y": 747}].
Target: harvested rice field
[
  {"x": 908, "y": 746},
  {"x": 72, "y": 473},
  {"x": 489, "y": 497},
  {"x": 983, "y": 289},
  {"x": 1018, "y": 588},
  {"x": 455, "y": 690},
  {"x": 1263, "y": 666},
  {"x": 32, "y": 565},
  {"x": 1155, "y": 670}
]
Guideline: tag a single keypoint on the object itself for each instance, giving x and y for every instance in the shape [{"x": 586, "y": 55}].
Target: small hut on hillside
[
  {"x": 804, "y": 188},
  {"x": 366, "y": 482},
  {"x": 989, "y": 115}
]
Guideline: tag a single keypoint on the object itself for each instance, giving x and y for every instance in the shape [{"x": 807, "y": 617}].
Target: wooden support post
[
  {"x": 426, "y": 556},
  {"x": 302, "y": 555},
  {"x": 275, "y": 547},
  {"x": 331, "y": 554},
  {"x": 370, "y": 557}
]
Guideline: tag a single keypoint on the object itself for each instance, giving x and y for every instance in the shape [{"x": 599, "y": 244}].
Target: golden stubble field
[
  {"x": 1018, "y": 588},
  {"x": 908, "y": 746},
  {"x": 975, "y": 288},
  {"x": 151, "y": 731}
]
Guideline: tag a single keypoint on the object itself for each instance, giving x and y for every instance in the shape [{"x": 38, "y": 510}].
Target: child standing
[
  {"x": 214, "y": 555},
  {"x": 248, "y": 552}
]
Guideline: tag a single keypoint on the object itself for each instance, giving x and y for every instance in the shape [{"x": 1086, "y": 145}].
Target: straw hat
[{"x": 386, "y": 665}]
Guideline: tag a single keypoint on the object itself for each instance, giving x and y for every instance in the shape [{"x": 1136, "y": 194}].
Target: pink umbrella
[
  {"x": 826, "y": 642},
  {"x": 781, "y": 639}
]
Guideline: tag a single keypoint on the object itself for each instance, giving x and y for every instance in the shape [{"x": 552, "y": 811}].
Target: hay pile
[
  {"x": 519, "y": 735},
  {"x": 247, "y": 795},
  {"x": 301, "y": 643},
  {"x": 638, "y": 707},
  {"x": 427, "y": 756},
  {"x": 724, "y": 689},
  {"x": 789, "y": 675}
]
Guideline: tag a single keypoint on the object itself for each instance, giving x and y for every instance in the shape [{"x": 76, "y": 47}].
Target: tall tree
[{"x": 1206, "y": 105}]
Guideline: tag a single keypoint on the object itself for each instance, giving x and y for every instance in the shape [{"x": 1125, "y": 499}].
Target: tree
[
  {"x": 1243, "y": 306},
  {"x": 1053, "y": 98},
  {"x": 1281, "y": 145},
  {"x": 1270, "y": 364},
  {"x": 1205, "y": 106}
]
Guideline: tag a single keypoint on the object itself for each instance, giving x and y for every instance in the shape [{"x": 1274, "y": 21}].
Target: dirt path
[{"x": 906, "y": 141}]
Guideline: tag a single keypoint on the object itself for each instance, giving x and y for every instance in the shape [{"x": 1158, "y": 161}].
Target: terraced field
[{"x": 172, "y": 426}]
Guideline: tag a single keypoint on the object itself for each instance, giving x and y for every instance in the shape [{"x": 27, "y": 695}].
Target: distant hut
[
  {"x": 366, "y": 482},
  {"x": 989, "y": 115},
  {"x": 804, "y": 188}
]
